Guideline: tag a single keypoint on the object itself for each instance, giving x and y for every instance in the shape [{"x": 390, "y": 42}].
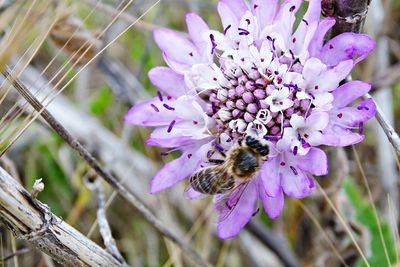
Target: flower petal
[
  {"x": 335, "y": 135},
  {"x": 272, "y": 205},
  {"x": 176, "y": 46},
  {"x": 315, "y": 162},
  {"x": 318, "y": 120},
  {"x": 197, "y": 29},
  {"x": 149, "y": 113},
  {"x": 347, "y": 46},
  {"x": 182, "y": 133},
  {"x": 348, "y": 92},
  {"x": 168, "y": 81},
  {"x": 352, "y": 116},
  {"x": 318, "y": 39},
  {"x": 234, "y": 217},
  {"x": 264, "y": 10},
  {"x": 175, "y": 171},
  {"x": 228, "y": 17},
  {"x": 269, "y": 175},
  {"x": 178, "y": 67},
  {"x": 330, "y": 79},
  {"x": 295, "y": 182},
  {"x": 193, "y": 194},
  {"x": 236, "y": 6}
]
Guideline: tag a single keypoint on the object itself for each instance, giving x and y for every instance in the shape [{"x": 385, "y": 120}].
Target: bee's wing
[
  {"x": 212, "y": 179},
  {"x": 226, "y": 203},
  {"x": 192, "y": 194}
]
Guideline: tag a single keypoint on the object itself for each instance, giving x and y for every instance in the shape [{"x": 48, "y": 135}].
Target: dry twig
[
  {"x": 32, "y": 221},
  {"x": 85, "y": 154}
]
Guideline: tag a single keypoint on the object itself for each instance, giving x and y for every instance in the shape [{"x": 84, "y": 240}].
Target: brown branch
[
  {"x": 273, "y": 242},
  {"x": 349, "y": 14},
  {"x": 32, "y": 221},
  {"x": 95, "y": 165}
]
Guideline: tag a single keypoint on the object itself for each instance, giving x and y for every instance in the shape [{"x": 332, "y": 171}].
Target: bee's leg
[
  {"x": 222, "y": 153},
  {"x": 216, "y": 161}
]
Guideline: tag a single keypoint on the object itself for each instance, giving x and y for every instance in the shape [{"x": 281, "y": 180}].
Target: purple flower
[{"x": 258, "y": 76}]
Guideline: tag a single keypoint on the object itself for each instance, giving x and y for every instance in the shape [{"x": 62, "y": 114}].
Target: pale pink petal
[
  {"x": 176, "y": 46},
  {"x": 150, "y": 113},
  {"x": 236, "y": 210},
  {"x": 315, "y": 162},
  {"x": 316, "y": 43},
  {"x": 197, "y": 29},
  {"x": 295, "y": 182},
  {"x": 264, "y": 10},
  {"x": 272, "y": 205},
  {"x": 175, "y": 171},
  {"x": 168, "y": 81},
  {"x": 347, "y": 46},
  {"x": 238, "y": 7},
  {"x": 269, "y": 175},
  {"x": 349, "y": 92}
]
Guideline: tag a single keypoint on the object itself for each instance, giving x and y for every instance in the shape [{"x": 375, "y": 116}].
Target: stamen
[
  {"x": 189, "y": 156},
  {"x": 213, "y": 43},
  {"x": 255, "y": 213},
  {"x": 163, "y": 154},
  {"x": 291, "y": 53},
  {"x": 360, "y": 128},
  {"x": 294, "y": 170},
  {"x": 160, "y": 96},
  {"x": 170, "y": 126},
  {"x": 155, "y": 108},
  {"x": 248, "y": 21},
  {"x": 168, "y": 107},
  {"x": 305, "y": 21},
  {"x": 243, "y": 31},
  {"x": 295, "y": 149},
  {"x": 291, "y": 9},
  {"x": 227, "y": 28}
]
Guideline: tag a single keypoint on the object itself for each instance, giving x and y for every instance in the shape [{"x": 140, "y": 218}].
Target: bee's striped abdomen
[{"x": 212, "y": 180}]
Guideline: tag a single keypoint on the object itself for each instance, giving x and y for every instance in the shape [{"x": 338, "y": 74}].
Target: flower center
[{"x": 255, "y": 102}]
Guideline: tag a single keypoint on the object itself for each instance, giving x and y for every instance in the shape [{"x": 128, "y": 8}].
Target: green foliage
[
  {"x": 365, "y": 216},
  {"x": 102, "y": 100},
  {"x": 43, "y": 163}
]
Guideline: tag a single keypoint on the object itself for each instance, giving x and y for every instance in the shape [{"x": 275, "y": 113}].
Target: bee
[{"x": 241, "y": 163}]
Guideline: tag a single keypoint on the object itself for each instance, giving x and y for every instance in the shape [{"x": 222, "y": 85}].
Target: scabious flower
[{"x": 258, "y": 76}]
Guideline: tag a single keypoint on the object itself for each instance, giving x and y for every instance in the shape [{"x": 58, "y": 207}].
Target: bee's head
[{"x": 257, "y": 145}]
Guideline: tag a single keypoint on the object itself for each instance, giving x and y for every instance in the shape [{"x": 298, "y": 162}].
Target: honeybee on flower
[{"x": 258, "y": 77}]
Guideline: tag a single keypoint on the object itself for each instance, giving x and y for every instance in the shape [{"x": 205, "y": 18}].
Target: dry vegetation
[{"x": 86, "y": 63}]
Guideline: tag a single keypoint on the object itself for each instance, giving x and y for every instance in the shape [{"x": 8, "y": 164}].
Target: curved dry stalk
[
  {"x": 32, "y": 221},
  {"x": 85, "y": 154}
]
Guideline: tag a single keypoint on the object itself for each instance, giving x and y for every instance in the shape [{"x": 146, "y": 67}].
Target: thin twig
[
  {"x": 273, "y": 242},
  {"x": 104, "y": 227},
  {"x": 391, "y": 134},
  {"x": 16, "y": 254},
  {"x": 89, "y": 158},
  {"x": 109, "y": 10},
  {"x": 30, "y": 220},
  {"x": 350, "y": 16}
]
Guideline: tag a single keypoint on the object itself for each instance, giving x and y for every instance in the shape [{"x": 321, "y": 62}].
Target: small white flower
[
  {"x": 264, "y": 116},
  {"x": 224, "y": 114},
  {"x": 238, "y": 125},
  {"x": 310, "y": 128},
  {"x": 279, "y": 100},
  {"x": 256, "y": 128}
]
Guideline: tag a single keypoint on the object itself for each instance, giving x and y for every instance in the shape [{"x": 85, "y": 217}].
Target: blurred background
[{"x": 89, "y": 96}]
